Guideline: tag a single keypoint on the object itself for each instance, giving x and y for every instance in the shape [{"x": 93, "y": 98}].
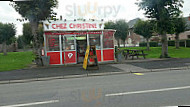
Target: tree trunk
[
  {"x": 147, "y": 44},
  {"x": 4, "y": 48},
  {"x": 118, "y": 43},
  {"x": 36, "y": 43},
  {"x": 124, "y": 43},
  {"x": 177, "y": 41},
  {"x": 164, "y": 46}
]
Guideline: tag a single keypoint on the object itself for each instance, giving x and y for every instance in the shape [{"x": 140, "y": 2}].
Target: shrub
[
  {"x": 171, "y": 43},
  {"x": 152, "y": 44}
]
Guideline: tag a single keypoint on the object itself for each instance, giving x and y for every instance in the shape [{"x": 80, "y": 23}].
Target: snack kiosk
[{"x": 66, "y": 41}]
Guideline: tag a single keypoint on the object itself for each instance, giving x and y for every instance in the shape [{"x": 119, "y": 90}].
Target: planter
[{"x": 45, "y": 60}]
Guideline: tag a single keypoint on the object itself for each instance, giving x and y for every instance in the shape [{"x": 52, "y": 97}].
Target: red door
[{"x": 69, "y": 49}]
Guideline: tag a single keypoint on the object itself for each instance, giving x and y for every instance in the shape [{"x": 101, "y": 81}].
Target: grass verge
[
  {"x": 155, "y": 52},
  {"x": 15, "y": 60}
]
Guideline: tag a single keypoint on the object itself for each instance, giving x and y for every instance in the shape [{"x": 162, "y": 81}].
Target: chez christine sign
[{"x": 73, "y": 25}]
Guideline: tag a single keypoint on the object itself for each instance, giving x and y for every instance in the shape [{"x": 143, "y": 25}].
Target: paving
[{"x": 127, "y": 66}]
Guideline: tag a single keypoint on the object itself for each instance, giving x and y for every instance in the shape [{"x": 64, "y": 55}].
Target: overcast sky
[{"x": 96, "y": 9}]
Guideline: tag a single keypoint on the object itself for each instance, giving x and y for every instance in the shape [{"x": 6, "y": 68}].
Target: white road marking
[
  {"x": 30, "y": 104},
  {"x": 147, "y": 91}
]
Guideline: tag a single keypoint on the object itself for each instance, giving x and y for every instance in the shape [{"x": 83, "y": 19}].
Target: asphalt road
[{"x": 155, "y": 89}]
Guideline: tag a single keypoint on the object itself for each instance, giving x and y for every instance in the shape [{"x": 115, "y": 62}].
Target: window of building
[
  {"x": 108, "y": 40},
  {"x": 68, "y": 43},
  {"x": 188, "y": 36},
  {"x": 52, "y": 43},
  {"x": 95, "y": 40}
]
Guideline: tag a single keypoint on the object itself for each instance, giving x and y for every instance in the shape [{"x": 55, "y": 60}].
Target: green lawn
[
  {"x": 15, "y": 60},
  {"x": 155, "y": 52}
]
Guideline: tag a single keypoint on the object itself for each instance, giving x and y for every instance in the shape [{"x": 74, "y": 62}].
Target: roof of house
[
  {"x": 188, "y": 23},
  {"x": 131, "y": 23}
]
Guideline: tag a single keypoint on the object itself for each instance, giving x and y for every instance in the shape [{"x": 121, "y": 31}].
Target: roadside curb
[{"x": 89, "y": 75}]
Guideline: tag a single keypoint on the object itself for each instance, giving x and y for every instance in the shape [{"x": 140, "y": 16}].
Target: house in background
[{"x": 132, "y": 39}]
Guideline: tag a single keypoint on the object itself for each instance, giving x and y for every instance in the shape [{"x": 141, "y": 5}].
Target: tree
[
  {"x": 7, "y": 31},
  {"x": 163, "y": 11},
  {"x": 20, "y": 41},
  {"x": 27, "y": 34},
  {"x": 35, "y": 11},
  {"x": 146, "y": 29},
  {"x": 121, "y": 28},
  {"x": 179, "y": 26},
  {"x": 109, "y": 25}
]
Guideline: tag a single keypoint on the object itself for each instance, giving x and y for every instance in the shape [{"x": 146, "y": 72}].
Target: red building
[{"x": 66, "y": 41}]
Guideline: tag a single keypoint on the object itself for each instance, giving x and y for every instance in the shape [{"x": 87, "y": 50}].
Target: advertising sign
[
  {"x": 73, "y": 25},
  {"x": 86, "y": 57}
]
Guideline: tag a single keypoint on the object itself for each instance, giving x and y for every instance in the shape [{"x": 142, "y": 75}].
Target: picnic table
[{"x": 134, "y": 52}]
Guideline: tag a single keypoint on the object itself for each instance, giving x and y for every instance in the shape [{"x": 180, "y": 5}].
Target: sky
[{"x": 87, "y": 9}]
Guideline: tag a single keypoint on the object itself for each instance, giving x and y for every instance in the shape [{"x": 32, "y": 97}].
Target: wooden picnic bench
[{"x": 134, "y": 52}]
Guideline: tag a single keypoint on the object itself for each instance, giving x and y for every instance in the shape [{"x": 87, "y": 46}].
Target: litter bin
[{"x": 45, "y": 60}]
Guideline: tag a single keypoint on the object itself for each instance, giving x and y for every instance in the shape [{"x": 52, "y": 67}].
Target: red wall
[
  {"x": 54, "y": 57},
  {"x": 108, "y": 54}
]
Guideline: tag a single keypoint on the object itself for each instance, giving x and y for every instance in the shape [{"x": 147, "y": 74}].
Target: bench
[{"x": 132, "y": 53}]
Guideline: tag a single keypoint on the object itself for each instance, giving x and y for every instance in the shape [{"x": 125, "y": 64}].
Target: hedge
[
  {"x": 152, "y": 44},
  {"x": 170, "y": 43}
]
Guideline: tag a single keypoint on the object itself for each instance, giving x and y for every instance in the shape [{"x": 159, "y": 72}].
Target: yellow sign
[{"x": 86, "y": 58}]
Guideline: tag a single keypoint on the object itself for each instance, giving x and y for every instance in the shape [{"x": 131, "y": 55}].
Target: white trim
[
  {"x": 107, "y": 48},
  {"x": 53, "y": 51},
  {"x": 45, "y": 48},
  {"x": 60, "y": 48},
  {"x": 88, "y": 42},
  {"x": 101, "y": 44},
  {"x": 70, "y": 50}
]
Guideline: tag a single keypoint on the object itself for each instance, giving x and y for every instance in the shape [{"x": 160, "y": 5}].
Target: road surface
[{"x": 168, "y": 88}]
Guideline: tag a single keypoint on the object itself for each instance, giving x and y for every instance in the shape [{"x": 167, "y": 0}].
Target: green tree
[
  {"x": 109, "y": 25},
  {"x": 121, "y": 28},
  {"x": 20, "y": 41},
  {"x": 7, "y": 32},
  {"x": 27, "y": 34},
  {"x": 146, "y": 29},
  {"x": 163, "y": 11},
  {"x": 179, "y": 26},
  {"x": 35, "y": 11}
]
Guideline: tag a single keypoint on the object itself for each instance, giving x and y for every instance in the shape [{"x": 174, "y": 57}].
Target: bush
[
  {"x": 171, "y": 43},
  {"x": 188, "y": 43},
  {"x": 152, "y": 44},
  {"x": 182, "y": 43},
  {"x": 143, "y": 44}
]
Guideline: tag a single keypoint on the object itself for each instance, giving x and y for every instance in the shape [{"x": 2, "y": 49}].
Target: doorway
[
  {"x": 81, "y": 42},
  {"x": 68, "y": 52}
]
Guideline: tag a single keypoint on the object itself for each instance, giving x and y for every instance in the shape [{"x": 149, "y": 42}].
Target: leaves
[
  {"x": 27, "y": 33},
  {"x": 7, "y": 31},
  {"x": 121, "y": 28},
  {"x": 144, "y": 28},
  {"x": 163, "y": 11},
  {"x": 35, "y": 10}
]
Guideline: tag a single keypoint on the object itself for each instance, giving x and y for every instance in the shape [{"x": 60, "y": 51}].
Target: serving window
[
  {"x": 68, "y": 43},
  {"x": 52, "y": 43},
  {"x": 95, "y": 40},
  {"x": 108, "y": 40}
]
